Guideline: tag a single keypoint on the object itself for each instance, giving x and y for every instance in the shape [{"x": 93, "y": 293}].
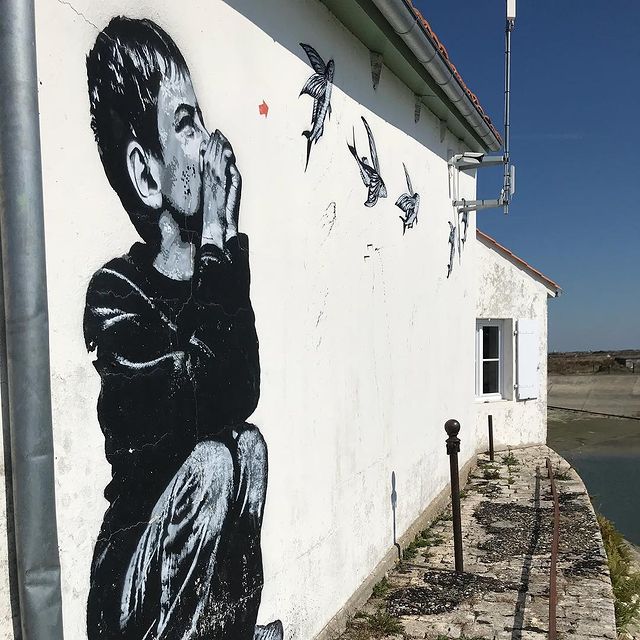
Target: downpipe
[
  {"x": 403, "y": 20},
  {"x": 26, "y": 391}
]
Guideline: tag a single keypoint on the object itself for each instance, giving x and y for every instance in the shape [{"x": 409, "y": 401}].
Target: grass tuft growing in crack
[
  {"x": 382, "y": 623},
  {"x": 490, "y": 474},
  {"x": 425, "y": 539},
  {"x": 365, "y": 626},
  {"x": 380, "y": 588},
  {"x": 562, "y": 475},
  {"x": 510, "y": 460},
  {"x": 445, "y": 516}
]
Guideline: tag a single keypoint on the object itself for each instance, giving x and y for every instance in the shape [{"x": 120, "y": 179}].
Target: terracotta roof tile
[
  {"x": 445, "y": 55},
  {"x": 550, "y": 283}
]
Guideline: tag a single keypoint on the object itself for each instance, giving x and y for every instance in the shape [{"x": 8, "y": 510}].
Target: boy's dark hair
[{"x": 124, "y": 70}]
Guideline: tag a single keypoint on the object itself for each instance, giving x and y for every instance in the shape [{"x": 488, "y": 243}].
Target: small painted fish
[
  {"x": 452, "y": 247},
  {"x": 465, "y": 222},
  {"x": 370, "y": 174},
  {"x": 409, "y": 203},
  {"x": 318, "y": 86}
]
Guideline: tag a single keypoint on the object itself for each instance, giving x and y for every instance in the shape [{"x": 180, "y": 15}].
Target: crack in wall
[{"x": 79, "y": 14}]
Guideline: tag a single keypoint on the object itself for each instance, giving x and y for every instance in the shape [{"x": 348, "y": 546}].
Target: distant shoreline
[
  {"x": 594, "y": 362},
  {"x": 616, "y": 394}
]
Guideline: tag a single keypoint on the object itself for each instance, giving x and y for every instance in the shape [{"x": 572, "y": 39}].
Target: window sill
[{"x": 490, "y": 399}]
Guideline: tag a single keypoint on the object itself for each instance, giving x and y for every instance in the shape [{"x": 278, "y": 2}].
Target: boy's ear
[{"x": 144, "y": 172}]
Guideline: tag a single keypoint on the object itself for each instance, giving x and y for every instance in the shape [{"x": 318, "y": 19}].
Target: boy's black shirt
[{"x": 178, "y": 361}]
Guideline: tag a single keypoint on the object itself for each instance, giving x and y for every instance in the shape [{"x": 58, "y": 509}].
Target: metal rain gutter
[
  {"x": 406, "y": 24},
  {"x": 26, "y": 357}
]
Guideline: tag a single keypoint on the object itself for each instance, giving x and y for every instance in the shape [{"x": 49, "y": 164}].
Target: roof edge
[
  {"x": 548, "y": 282},
  {"x": 413, "y": 28}
]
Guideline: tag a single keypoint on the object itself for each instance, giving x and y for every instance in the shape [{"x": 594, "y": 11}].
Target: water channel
[{"x": 606, "y": 453}]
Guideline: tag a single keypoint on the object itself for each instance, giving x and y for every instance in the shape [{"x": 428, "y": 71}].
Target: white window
[
  {"x": 499, "y": 359},
  {"x": 490, "y": 359}
]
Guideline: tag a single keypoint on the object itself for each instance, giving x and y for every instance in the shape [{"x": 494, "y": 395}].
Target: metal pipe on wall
[
  {"x": 14, "y": 603},
  {"x": 402, "y": 18},
  {"x": 28, "y": 391}
]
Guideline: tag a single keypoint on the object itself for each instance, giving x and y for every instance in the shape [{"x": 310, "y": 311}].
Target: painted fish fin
[
  {"x": 372, "y": 146},
  {"x": 329, "y": 111},
  {"x": 375, "y": 185},
  {"x": 352, "y": 148},
  {"x": 404, "y": 202},
  {"x": 354, "y": 153},
  {"x": 314, "y": 58},
  {"x": 406, "y": 174},
  {"x": 307, "y": 134},
  {"x": 315, "y": 87},
  {"x": 404, "y": 224}
]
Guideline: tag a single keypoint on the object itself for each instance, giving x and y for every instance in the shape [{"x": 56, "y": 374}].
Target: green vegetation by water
[{"x": 626, "y": 582}]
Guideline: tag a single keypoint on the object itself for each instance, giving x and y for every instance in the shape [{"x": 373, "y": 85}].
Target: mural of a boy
[{"x": 178, "y": 556}]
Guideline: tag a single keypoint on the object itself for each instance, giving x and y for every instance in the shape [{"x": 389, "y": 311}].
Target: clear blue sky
[{"x": 576, "y": 142}]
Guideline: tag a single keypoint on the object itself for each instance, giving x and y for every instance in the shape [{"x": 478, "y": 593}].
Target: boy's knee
[
  {"x": 212, "y": 463},
  {"x": 251, "y": 445},
  {"x": 252, "y": 463}
]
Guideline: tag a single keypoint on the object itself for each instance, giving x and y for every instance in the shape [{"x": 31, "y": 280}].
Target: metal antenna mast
[
  {"x": 472, "y": 160},
  {"x": 511, "y": 22}
]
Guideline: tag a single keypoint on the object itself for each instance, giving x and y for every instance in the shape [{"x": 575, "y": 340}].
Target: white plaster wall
[
  {"x": 507, "y": 291},
  {"x": 363, "y": 358}
]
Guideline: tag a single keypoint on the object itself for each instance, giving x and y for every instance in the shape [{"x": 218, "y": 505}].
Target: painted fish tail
[{"x": 307, "y": 135}]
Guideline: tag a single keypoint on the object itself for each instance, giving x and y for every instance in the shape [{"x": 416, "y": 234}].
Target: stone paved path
[{"x": 507, "y": 514}]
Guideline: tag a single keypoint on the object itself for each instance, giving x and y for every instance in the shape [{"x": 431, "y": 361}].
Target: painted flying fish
[
  {"x": 318, "y": 86},
  {"x": 369, "y": 172},
  {"x": 465, "y": 222},
  {"x": 409, "y": 203},
  {"x": 452, "y": 247}
]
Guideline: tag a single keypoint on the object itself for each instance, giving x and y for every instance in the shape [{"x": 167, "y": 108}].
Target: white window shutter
[{"x": 528, "y": 360}]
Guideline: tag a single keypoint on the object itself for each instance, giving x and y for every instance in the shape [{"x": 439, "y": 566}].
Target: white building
[
  {"x": 511, "y": 344},
  {"x": 368, "y": 316}
]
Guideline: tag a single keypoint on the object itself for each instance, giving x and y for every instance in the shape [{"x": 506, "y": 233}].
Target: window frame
[{"x": 480, "y": 324}]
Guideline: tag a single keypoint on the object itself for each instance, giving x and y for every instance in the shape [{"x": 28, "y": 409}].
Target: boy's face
[{"x": 182, "y": 134}]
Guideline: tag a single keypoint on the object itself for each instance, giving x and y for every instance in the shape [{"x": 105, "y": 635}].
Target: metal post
[
  {"x": 553, "y": 586},
  {"x": 491, "y": 438},
  {"x": 452, "y": 427}
]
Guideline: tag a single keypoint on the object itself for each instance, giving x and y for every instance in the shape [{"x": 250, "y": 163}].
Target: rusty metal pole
[
  {"x": 491, "y": 438},
  {"x": 452, "y": 427},
  {"x": 553, "y": 586}
]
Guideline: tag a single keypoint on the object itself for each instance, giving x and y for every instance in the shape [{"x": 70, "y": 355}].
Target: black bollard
[
  {"x": 452, "y": 427},
  {"x": 491, "y": 438}
]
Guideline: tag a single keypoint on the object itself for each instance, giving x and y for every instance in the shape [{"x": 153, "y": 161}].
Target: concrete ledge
[
  {"x": 338, "y": 622},
  {"x": 507, "y": 519}
]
